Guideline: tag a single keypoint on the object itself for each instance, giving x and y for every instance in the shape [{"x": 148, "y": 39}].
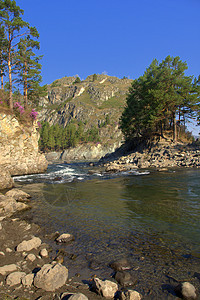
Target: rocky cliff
[
  {"x": 91, "y": 101},
  {"x": 18, "y": 149}
]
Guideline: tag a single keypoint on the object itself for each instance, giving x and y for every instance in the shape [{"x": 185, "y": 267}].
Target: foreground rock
[
  {"x": 33, "y": 243},
  {"x": 51, "y": 277},
  {"x": 65, "y": 238},
  {"x": 15, "y": 278},
  {"x": 18, "y": 195},
  {"x": 8, "y": 269},
  {"x": 105, "y": 288},
  {"x": 9, "y": 206}
]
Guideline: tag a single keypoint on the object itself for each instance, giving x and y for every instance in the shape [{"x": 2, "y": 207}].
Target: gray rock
[
  {"x": 51, "y": 277},
  {"x": 8, "y": 269},
  {"x": 34, "y": 243},
  {"x": 15, "y": 278},
  {"x": 105, "y": 288},
  {"x": 65, "y": 238},
  {"x": 130, "y": 295},
  {"x": 186, "y": 290}
]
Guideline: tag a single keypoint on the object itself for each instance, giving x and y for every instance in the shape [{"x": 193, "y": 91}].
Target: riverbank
[{"x": 160, "y": 156}]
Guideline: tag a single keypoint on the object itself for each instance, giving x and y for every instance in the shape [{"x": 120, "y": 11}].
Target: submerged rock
[
  {"x": 120, "y": 265},
  {"x": 125, "y": 278},
  {"x": 65, "y": 238}
]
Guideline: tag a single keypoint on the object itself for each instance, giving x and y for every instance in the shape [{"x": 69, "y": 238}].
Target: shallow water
[{"x": 150, "y": 217}]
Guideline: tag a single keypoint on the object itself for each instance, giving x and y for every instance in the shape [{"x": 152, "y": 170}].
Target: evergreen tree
[{"x": 2, "y": 55}]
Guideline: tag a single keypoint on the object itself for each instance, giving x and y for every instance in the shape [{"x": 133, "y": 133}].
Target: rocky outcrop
[{"x": 19, "y": 152}]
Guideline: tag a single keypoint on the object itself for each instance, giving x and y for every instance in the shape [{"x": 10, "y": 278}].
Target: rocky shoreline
[{"x": 161, "y": 157}]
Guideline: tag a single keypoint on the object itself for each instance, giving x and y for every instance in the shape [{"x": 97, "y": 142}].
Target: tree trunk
[
  {"x": 10, "y": 77},
  {"x": 25, "y": 87},
  {"x": 174, "y": 128},
  {"x": 1, "y": 79}
]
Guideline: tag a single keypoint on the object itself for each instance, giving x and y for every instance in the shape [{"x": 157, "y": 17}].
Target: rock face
[
  {"x": 92, "y": 102},
  {"x": 19, "y": 148},
  {"x": 51, "y": 277}
]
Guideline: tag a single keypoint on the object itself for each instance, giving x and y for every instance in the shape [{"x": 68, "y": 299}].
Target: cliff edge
[{"x": 19, "y": 153}]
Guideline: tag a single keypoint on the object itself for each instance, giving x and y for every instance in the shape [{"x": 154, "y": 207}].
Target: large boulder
[
  {"x": 18, "y": 195},
  {"x": 51, "y": 277},
  {"x": 15, "y": 278},
  {"x": 9, "y": 206}
]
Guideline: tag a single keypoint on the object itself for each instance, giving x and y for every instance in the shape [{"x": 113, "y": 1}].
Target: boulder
[
  {"x": 18, "y": 195},
  {"x": 6, "y": 182},
  {"x": 186, "y": 290},
  {"x": 130, "y": 295},
  {"x": 44, "y": 253},
  {"x": 9, "y": 206},
  {"x": 15, "y": 278},
  {"x": 105, "y": 288},
  {"x": 28, "y": 280},
  {"x": 31, "y": 257},
  {"x": 51, "y": 277},
  {"x": 65, "y": 238},
  {"x": 34, "y": 243},
  {"x": 8, "y": 269}
]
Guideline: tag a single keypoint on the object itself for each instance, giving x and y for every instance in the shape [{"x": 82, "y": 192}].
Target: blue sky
[{"x": 119, "y": 37}]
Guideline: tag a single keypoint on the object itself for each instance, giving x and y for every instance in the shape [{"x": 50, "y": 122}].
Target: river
[{"x": 151, "y": 218}]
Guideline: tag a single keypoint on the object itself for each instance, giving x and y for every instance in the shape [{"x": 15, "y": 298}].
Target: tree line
[
  {"x": 56, "y": 137},
  {"x": 161, "y": 100},
  {"x": 18, "y": 60}
]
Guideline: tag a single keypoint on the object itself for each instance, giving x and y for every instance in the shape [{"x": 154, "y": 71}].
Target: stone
[
  {"x": 8, "y": 250},
  {"x": 15, "y": 278},
  {"x": 120, "y": 265},
  {"x": 18, "y": 195},
  {"x": 186, "y": 290},
  {"x": 105, "y": 288},
  {"x": 78, "y": 296},
  {"x": 34, "y": 243},
  {"x": 124, "y": 278},
  {"x": 65, "y": 238},
  {"x": 44, "y": 253},
  {"x": 9, "y": 206},
  {"x": 31, "y": 257},
  {"x": 51, "y": 277},
  {"x": 130, "y": 295},
  {"x": 2, "y": 253},
  {"x": 28, "y": 280},
  {"x": 8, "y": 269}
]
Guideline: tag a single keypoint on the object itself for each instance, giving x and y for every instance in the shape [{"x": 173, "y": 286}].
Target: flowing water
[{"x": 151, "y": 218}]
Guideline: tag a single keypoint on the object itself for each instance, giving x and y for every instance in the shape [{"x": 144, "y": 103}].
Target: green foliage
[
  {"x": 157, "y": 98},
  {"x": 94, "y": 77},
  {"x": 77, "y": 80},
  {"x": 56, "y": 137}
]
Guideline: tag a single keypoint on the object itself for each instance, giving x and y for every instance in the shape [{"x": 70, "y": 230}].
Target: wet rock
[
  {"x": 18, "y": 195},
  {"x": 120, "y": 265},
  {"x": 15, "y": 278},
  {"x": 44, "y": 253},
  {"x": 8, "y": 269},
  {"x": 27, "y": 280},
  {"x": 105, "y": 288},
  {"x": 65, "y": 238},
  {"x": 130, "y": 295},
  {"x": 186, "y": 290},
  {"x": 34, "y": 243},
  {"x": 125, "y": 278},
  {"x": 51, "y": 277}
]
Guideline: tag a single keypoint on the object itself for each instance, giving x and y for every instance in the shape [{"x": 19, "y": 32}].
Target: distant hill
[{"x": 97, "y": 101}]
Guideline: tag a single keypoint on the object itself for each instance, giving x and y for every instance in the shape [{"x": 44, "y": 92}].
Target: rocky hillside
[
  {"x": 97, "y": 101},
  {"x": 18, "y": 150}
]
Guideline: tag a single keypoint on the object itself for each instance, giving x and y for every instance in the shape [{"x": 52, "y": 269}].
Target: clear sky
[{"x": 119, "y": 37}]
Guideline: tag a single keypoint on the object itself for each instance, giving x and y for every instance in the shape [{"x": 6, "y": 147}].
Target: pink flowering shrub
[{"x": 19, "y": 108}]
